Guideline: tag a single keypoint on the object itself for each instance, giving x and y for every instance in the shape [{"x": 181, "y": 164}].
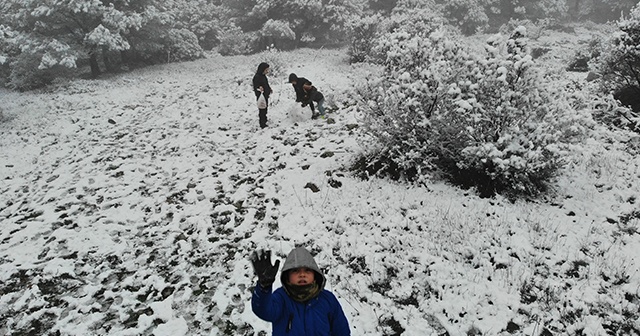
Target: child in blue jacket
[{"x": 301, "y": 307}]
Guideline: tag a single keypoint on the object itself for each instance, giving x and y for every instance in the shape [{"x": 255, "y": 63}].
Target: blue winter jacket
[{"x": 320, "y": 316}]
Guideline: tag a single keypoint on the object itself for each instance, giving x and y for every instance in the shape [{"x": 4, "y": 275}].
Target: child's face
[{"x": 301, "y": 276}]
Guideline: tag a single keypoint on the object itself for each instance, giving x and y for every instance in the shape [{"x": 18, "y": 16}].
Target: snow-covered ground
[{"x": 129, "y": 206}]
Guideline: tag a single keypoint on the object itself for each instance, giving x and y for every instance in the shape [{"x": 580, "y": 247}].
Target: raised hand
[{"x": 261, "y": 261}]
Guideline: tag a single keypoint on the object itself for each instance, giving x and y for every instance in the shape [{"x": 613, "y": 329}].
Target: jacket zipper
[{"x": 290, "y": 323}]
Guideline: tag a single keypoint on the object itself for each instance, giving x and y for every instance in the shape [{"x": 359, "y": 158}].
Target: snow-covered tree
[
  {"x": 311, "y": 21},
  {"x": 63, "y": 31},
  {"x": 603, "y": 10},
  {"x": 204, "y": 18},
  {"x": 62, "y": 34},
  {"x": 276, "y": 32}
]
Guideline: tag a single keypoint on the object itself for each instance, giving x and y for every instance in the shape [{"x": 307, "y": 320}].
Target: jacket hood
[
  {"x": 300, "y": 257},
  {"x": 261, "y": 68}
]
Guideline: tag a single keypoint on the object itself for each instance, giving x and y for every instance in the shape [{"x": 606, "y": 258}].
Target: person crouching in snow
[
  {"x": 297, "y": 83},
  {"x": 311, "y": 95},
  {"x": 301, "y": 307}
]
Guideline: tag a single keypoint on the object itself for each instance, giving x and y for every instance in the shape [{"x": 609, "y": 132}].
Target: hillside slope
[{"x": 130, "y": 205}]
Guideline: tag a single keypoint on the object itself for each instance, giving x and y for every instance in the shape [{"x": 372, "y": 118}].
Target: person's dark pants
[{"x": 262, "y": 115}]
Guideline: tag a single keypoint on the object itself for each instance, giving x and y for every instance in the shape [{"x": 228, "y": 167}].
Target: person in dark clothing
[
  {"x": 298, "y": 83},
  {"x": 261, "y": 85},
  {"x": 301, "y": 307},
  {"x": 311, "y": 96}
]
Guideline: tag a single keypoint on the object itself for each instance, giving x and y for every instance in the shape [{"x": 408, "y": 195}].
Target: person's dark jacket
[
  {"x": 320, "y": 316},
  {"x": 312, "y": 95},
  {"x": 260, "y": 79},
  {"x": 300, "y": 82}
]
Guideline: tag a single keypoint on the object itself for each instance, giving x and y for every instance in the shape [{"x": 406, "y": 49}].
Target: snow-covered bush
[
  {"x": 39, "y": 66},
  {"x": 233, "y": 41},
  {"x": 601, "y": 10},
  {"x": 182, "y": 45},
  {"x": 278, "y": 32},
  {"x": 618, "y": 63},
  {"x": 171, "y": 45},
  {"x": 402, "y": 32},
  {"x": 277, "y": 65},
  {"x": 364, "y": 33},
  {"x": 7, "y": 48},
  {"x": 609, "y": 111},
  {"x": 486, "y": 122},
  {"x": 26, "y": 64},
  {"x": 25, "y": 75},
  {"x": 468, "y": 15},
  {"x": 312, "y": 21},
  {"x": 202, "y": 17},
  {"x": 373, "y": 36},
  {"x": 535, "y": 28}
]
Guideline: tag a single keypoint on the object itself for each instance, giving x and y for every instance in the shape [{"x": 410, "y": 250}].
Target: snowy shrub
[
  {"x": 277, "y": 65},
  {"x": 27, "y": 64},
  {"x": 501, "y": 129},
  {"x": 601, "y": 10},
  {"x": 580, "y": 61},
  {"x": 469, "y": 16},
  {"x": 312, "y": 21},
  {"x": 608, "y": 111},
  {"x": 201, "y": 17},
  {"x": 233, "y": 41},
  {"x": 364, "y": 34},
  {"x": 421, "y": 20},
  {"x": 278, "y": 30},
  {"x": 618, "y": 63},
  {"x": 172, "y": 45},
  {"x": 28, "y": 74},
  {"x": 182, "y": 45},
  {"x": 24, "y": 74},
  {"x": 535, "y": 28},
  {"x": 485, "y": 122},
  {"x": 401, "y": 32},
  {"x": 7, "y": 48}
]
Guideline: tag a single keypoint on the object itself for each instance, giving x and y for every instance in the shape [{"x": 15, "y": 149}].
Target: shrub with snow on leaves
[
  {"x": 364, "y": 33},
  {"x": 618, "y": 63},
  {"x": 486, "y": 122},
  {"x": 233, "y": 41}
]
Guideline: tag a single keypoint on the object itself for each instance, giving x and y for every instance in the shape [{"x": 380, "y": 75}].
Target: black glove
[
  {"x": 304, "y": 105},
  {"x": 261, "y": 261}
]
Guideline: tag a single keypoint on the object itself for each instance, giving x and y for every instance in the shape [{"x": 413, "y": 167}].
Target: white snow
[{"x": 130, "y": 205}]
